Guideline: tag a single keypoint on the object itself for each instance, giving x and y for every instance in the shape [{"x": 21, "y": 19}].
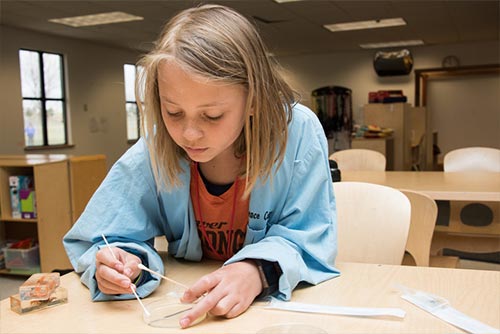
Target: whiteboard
[{"x": 465, "y": 111}]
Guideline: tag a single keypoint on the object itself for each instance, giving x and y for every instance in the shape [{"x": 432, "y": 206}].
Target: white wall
[
  {"x": 468, "y": 111},
  {"x": 94, "y": 76}
]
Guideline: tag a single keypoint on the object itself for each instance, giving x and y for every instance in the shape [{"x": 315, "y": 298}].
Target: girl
[{"x": 230, "y": 168}]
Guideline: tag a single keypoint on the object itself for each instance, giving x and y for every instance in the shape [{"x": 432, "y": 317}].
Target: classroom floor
[{"x": 9, "y": 285}]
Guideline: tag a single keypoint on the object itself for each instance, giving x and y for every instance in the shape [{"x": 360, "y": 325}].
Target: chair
[
  {"x": 417, "y": 153},
  {"x": 423, "y": 220},
  {"x": 359, "y": 159},
  {"x": 161, "y": 244},
  {"x": 472, "y": 227},
  {"x": 472, "y": 159},
  {"x": 372, "y": 222}
]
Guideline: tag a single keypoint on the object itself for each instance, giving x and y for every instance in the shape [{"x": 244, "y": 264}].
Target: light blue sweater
[{"x": 292, "y": 218}]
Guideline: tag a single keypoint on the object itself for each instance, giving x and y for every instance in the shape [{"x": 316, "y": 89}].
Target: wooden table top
[
  {"x": 461, "y": 186},
  {"x": 473, "y": 292}
]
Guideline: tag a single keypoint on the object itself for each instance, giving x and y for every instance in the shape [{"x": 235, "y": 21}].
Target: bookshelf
[{"x": 63, "y": 185}]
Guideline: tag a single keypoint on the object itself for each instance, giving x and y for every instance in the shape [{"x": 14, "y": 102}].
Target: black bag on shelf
[{"x": 393, "y": 63}]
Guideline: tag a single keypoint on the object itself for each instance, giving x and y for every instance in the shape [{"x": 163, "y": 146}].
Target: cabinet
[
  {"x": 412, "y": 138},
  {"x": 384, "y": 145},
  {"x": 63, "y": 185}
]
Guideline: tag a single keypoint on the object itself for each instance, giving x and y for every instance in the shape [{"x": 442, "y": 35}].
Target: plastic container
[
  {"x": 39, "y": 286},
  {"x": 22, "y": 258},
  {"x": 3, "y": 245},
  {"x": 166, "y": 312},
  {"x": 59, "y": 296}
]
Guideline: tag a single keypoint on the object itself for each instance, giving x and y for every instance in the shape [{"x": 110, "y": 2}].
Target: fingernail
[
  {"x": 125, "y": 283},
  {"x": 184, "y": 322},
  {"x": 127, "y": 271}
]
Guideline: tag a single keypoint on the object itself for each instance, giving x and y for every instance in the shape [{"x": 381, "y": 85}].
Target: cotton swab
[
  {"x": 146, "y": 312},
  {"x": 143, "y": 267},
  {"x": 131, "y": 286},
  {"x": 109, "y": 247}
]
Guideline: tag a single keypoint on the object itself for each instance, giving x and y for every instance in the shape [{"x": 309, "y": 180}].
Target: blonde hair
[{"x": 219, "y": 44}]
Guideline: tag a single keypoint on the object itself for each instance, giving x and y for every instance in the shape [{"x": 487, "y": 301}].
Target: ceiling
[{"x": 288, "y": 29}]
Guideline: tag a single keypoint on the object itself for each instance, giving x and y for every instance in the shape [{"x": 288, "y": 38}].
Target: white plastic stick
[
  {"x": 338, "y": 310},
  {"x": 143, "y": 267},
  {"x": 131, "y": 286},
  {"x": 441, "y": 308}
]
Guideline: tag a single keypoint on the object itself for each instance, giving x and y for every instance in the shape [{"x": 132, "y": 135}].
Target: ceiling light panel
[
  {"x": 96, "y": 19},
  {"x": 412, "y": 42},
  {"x": 370, "y": 24}
]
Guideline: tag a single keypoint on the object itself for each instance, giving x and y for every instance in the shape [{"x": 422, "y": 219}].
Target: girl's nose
[{"x": 192, "y": 132}]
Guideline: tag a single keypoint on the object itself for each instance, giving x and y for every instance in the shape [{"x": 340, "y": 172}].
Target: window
[
  {"x": 44, "y": 104},
  {"x": 133, "y": 120}
]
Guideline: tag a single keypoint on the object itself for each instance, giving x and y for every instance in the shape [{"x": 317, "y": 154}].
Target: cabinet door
[
  {"x": 54, "y": 213},
  {"x": 392, "y": 116},
  {"x": 86, "y": 174}
]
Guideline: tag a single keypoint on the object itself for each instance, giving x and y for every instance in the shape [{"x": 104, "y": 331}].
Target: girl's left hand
[{"x": 230, "y": 291}]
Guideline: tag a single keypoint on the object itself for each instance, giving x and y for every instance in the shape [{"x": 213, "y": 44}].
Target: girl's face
[{"x": 204, "y": 118}]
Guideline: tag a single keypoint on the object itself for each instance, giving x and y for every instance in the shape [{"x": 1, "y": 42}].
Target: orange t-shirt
[{"x": 217, "y": 214}]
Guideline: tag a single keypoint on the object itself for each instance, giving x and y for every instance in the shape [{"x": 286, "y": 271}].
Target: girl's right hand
[{"x": 115, "y": 276}]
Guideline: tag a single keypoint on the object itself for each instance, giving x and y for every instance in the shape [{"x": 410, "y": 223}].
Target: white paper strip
[
  {"x": 337, "y": 310},
  {"x": 442, "y": 309}
]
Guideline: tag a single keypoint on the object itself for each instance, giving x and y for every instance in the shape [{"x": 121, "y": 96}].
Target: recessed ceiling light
[
  {"x": 282, "y": 1},
  {"x": 371, "y": 24},
  {"x": 392, "y": 44},
  {"x": 96, "y": 19}
]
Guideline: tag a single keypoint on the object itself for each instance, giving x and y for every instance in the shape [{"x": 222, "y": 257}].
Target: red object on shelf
[
  {"x": 386, "y": 96},
  {"x": 23, "y": 244}
]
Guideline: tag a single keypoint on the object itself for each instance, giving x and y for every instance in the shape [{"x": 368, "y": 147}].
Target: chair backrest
[
  {"x": 372, "y": 222},
  {"x": 472, "y": 159},
  {"x": 475, "y": 225},
  {"x": 359, "y": 159},
  {"x": 423, "y": 220}
]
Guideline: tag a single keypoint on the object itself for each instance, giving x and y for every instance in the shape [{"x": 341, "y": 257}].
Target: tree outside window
[
  {"x": 133, "y": 119},
  {"x": 44, "y": 104}
]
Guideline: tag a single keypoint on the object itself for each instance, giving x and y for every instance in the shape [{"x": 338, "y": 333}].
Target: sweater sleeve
[
  {"x": 125, "y": 208},
  {"x": 301, "y": 234}
]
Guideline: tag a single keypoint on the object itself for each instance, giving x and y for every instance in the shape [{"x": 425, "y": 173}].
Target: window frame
[
  {"x": 43, "y": 100},
  {"x": 134, "y": 102}
]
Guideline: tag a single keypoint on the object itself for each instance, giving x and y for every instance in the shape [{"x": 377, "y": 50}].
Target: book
[{"x": 22, "y": 196}]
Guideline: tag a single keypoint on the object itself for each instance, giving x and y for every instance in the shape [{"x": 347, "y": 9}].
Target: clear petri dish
[
  {"x": 291, "y": 328},
  {"x": 167, "y": 311}
]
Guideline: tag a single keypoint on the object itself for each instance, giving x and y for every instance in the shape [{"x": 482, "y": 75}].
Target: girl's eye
[
  {"x": 214, "y": 118},
  {"x": 173, "y": 114}
]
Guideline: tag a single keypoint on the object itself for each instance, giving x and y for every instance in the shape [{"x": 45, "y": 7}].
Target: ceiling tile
[{"x": 288, "y": 28}]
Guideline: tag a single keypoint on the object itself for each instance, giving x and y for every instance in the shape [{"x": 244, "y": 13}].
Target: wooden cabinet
[
  {"x": 412, "y": 137},
  {"x": 63, "y": 185}
]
